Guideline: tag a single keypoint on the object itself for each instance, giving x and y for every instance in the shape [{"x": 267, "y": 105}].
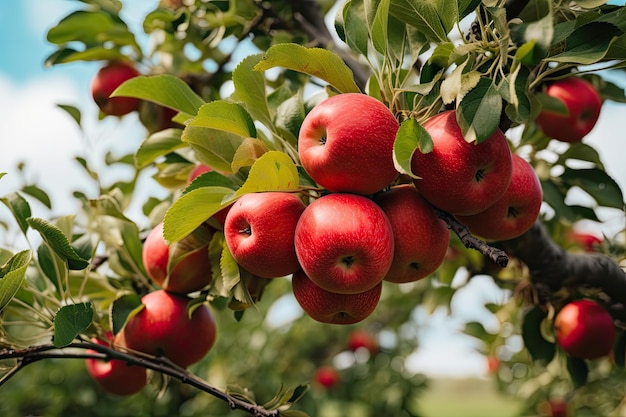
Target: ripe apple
[
  {"x": 183, "y": 267},
  {"x": 344, "y": 243},
  {"x": 164, "y": 327},
  {"x": 115, "y": 376},
  {"x": 587, "y": 241},
  {"x": 106, "y": 80},
  {"x": 459, "y": 177},
  {"x": 327, "y": 376},
  {"x": 515, "y": 212},
  {"x": 333, "y": 308},
  {"x": 583, "y": 104},
  {"x": 421, "y": 238},
  {"x": 584, "y": 329},
  {"x": 346, "y": 144},
  {"x": 259, "y": 232},
  {"x": 362, "y": 339}
]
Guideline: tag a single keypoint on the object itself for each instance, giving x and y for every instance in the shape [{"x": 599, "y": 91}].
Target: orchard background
[{"x": 124, "y": 177}]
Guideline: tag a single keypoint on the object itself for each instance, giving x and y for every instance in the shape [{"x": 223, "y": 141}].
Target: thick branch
[
  {"x": 553, "y": 267},
  {"x": 36, "y": 353}
]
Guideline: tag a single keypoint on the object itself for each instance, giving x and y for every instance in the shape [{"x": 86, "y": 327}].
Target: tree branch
[{"x": 47, "y": 351}]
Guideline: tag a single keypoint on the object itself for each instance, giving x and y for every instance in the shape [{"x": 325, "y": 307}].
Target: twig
[
  {"x": 47, "y": 351},
  {"x": 498, "y": 256}
]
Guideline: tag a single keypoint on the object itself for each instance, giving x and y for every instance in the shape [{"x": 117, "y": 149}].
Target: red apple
[
  {"x": 164, "y": 327},
  {"x": 421, "y": 238},
  {"x": 333, "y": 308},
  {"x": 106, "y": 80},
  {"x": 493, "y": 364},
  {"x": 346, "y": 144},
  {"x": 183, "y": 267},
  {"x": 327, "y": 376},
  {"x": 460, "y": 177},
  {"x": 197, "y": 171},
  {"x": 515, "y": 212},
  {"x": 583, "y": 104},
  {"x": 584, "y": 329},
  {"x": 362, "y": 339},
  {"x": 587, "y": 241},
  {"x": 115, "y": 376},
  {"x": 259, "y": 232},
  {"x": 344, "y": 243}
]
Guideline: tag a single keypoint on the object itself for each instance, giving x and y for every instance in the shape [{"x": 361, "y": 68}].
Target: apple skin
[
  {"x": 421, "y": 238},
  {"x": 344, "y": 243},
  {"x": 191, "y": 271},
  {"x": 259, "y": 232},
  {"x": 362, "y": 339},
  {"x": 115, "y": 376},
  {"x": 346, "y": 142},
  {"x": 328, "y": 307},
  {"x": 584, "y": 329},
  {"x": 163, "y": 327},
  {"x": 459, "y": 177},
  {"x": 327, "y": 376},
  {"x": 583, "y": 104},
  {"x": 106, "y": 80},
  {"x": 515, "y": 212}
]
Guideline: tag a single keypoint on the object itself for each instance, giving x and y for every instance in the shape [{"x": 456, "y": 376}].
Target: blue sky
[{"x": 32, "y": 128}]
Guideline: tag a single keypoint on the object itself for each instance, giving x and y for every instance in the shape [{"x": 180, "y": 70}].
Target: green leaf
[
  {"x": 478, "y": 114},
  {"x": 39, "y": 194},
  {"x": 273, "y": 171},
  {"x": 192, "y": 209},
  {"x": 380, "y": 30},
  {"x": 158, "y": 144},
  {"x": 433, "y": 18},
  {"x": 317, "y": 62},
  {"x": 581, "y": 152},
  {"x": 12, "y": 275},
  {"x": 122, "y": 309},
  {"x": 73, "y": 111},
  {"x": 91, "y": 28},
  {"x": 411, "y": 137},
  {"x": 538, "y": 347},
  {"x": 250, "y": 88},
  {"x": 588, "y": 44},
  {"x": 70, "y": 321},
  {"x": 578, "y": 371},
  {"x": 20, "y": 209},
  {"x": 597, "y": 183},
  {"x": 58, "y": 242},
  {"x": 354, "y": 26},
  {"x": 229, "y": 270},
  {"x": 166, "y": 90},
  {"x": 458, "y": 84},
  {"x": 225, "y": 116}
]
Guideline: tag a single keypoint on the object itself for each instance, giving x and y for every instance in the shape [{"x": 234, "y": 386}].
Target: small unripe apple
[
  {"x": 327, "y": 376},
  {"x": 259, "y": 231},
  {"x": 183, "y": 267},
  {"x": 164, "y": 327},
  {"x": 344, "y": 243},
  {"x": 420, "y": 238},
  {"x": 346, "y": 142},
  {"x": 583, "y": 104},
  {"x": 115, "y": 376},
  {"x": 106, "y": 80},
  {"x": 460, "y": 177},
  {"x": 327, "y": 307},
  {"x": 584, "y": 329}
]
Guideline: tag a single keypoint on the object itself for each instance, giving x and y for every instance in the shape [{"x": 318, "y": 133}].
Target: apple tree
[{"x": 306, "y": 180}]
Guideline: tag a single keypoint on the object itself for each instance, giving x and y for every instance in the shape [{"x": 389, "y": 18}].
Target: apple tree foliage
[{"x": 488, "y": 59}]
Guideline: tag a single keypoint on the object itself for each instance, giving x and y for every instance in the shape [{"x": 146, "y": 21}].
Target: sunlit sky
[{"x": 34, "y": 130}]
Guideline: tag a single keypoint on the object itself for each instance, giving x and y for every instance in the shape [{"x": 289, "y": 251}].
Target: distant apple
[
  {"x": 421, "y": 238},
  {"x": 106, "y": 80},
  {"x": 583, "y": 104},
  {"x": 493, "y": 364},
  {"x": 333, "y": 308},
  {"x": 115, "y": 376},
  {"x": 164, "y": 327},
  {"x": 515, "y": 212},
  {"x": 327, "y": 376},
  {"x": 584, "y": 329},
  {"x": 589, "y": 242},
  {"x": 459, "y": 177},
  {"x": 259, "y": 232},
  {"x": 346, "y": 144},
  {"x": 344, "y": 243},
  {"x": 362, "y": 339},
  {"x": 183, "y": 267}
]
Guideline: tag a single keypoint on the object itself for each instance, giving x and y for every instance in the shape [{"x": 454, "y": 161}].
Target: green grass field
[{"x": 466, "y": 398}]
